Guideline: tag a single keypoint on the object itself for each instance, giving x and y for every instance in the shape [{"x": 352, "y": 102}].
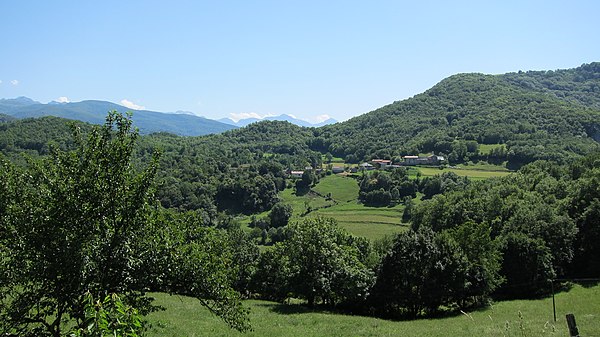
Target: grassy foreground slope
[{"x": 185, "y": 317}]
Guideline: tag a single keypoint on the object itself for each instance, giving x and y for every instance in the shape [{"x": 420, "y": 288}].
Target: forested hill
[
  {"x": 581, "y": 85},
  {"x": 538, "y": 115}
]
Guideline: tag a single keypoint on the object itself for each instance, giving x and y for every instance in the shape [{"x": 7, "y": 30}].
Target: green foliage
[
  {"x": 420, "y": 273},
  {"x": 280, "y": 215},
  {"x": 544, "y": 217},
  {"x": 442, "y": 183},
  {"x": 469, "y": 109},
  {"x": 577, "y": 85},
  {"x": 318, "y": 263},
  {"x": 484, "y": 258},
  {"x": 180, "y": 256},
  {"x": 109, "y": 316},
  {"x": 245, "y": 259},
  {"x": 526, "y": 265},
  {"x": 381, "y": 188},
  {"x": 584, "y": 209},
  {"x": 74, "y": 229},
  {"x": 81, "y": 221}
]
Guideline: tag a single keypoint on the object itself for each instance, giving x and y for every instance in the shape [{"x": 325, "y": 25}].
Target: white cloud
[
  {"x": 131, "y": 105},
  {"x": 320, "y": 118},
  {"x": 0, "y": 81},
  {"x": 245, "y": 115},
  {"x": 63, "y": 99},
  {"x": 14, "y": 82}
]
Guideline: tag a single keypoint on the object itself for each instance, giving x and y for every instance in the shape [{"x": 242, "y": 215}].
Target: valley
[{"x": 453, "y": 210}]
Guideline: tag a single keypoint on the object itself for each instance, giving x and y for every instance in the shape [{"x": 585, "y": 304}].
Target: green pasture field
[
  {"x": 370, "y": 222},
  {"x": 333, "y": 159},
  {"x": 356, "y": 218},
  {"x": 487, "y": 148},
  {"x": 342, "y": 189},
  {"x": 186, "y": 317},
  {"x": 300, "y": 202},
  {"x": 475, "y": 174},
  {"x": 484, "y": 166}
]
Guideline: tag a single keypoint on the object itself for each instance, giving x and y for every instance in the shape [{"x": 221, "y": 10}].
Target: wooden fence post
[{"x": 573, "y": 332}]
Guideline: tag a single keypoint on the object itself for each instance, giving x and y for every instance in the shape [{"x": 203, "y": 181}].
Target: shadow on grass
[
  {"x": 293, "y": 309},
  {"x": 588, "y": 283},
  {"x": 302, "y": 190}
]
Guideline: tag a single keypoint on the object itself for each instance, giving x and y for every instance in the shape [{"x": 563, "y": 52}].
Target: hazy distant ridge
[
  {"x": 95, "y": 112},
  {"x": 283, "y": 117}
]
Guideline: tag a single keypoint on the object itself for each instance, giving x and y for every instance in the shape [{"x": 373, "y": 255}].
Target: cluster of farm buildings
[{"x": 383, "y": 164}]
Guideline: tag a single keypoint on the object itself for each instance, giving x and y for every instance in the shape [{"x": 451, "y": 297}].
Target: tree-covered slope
[
  {"x": 34, "y": 135},
  {"x": 581, "y": 84},
  {"x": 5, "y": 118},
  {"x": 241, "y": 170},
  {"x": 487, "y": 109}
]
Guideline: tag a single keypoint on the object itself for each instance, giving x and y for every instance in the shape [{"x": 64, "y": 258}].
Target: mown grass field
[
  {"x": 300, "y": 202},
  {"x": 370, "y": 222},
  {"x": 487, "y": 148},
  {"x": 471, "y": 173},
  {"x": 359, "y": 220},
  {"x": 186, "y": 317},
  {"x": 342, "y": 189}
]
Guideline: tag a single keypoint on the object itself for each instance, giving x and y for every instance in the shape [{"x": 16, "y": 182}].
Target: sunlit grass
[
  {"x": 186, "y": 317},
  {"x": 481, "y": 174},
  {"x": 342, "y": 189},
  {"x": 485, "y": 149}
]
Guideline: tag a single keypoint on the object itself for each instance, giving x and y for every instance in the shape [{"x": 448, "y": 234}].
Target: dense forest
[{"x": 100, "y": 213}]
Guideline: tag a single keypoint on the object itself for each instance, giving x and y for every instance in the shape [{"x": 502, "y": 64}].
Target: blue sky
[{"x": 305, "y": 58}]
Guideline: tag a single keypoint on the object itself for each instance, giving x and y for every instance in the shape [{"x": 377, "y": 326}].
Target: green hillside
[
  {"x": 577, "y": 85},
  {"x": 469, "y": 109}
]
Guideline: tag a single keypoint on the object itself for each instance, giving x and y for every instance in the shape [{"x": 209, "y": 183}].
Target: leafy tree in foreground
[
  {"x": 422, "y": 271},
  {"x": 319, "y": 262},
  {"x": 484, "y": 262},
  {"x": 527, "y": 266},
  {"x": 76, "y": 225},
  {"x": 109, "y": 316}
]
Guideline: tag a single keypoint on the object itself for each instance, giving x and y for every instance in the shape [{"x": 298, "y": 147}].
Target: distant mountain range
[
  {"x": 180, "y": 123},
  {"x": 285, "y": 118}
]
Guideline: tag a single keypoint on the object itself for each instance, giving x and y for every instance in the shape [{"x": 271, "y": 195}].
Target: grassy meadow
[
  {"x": 186, "y": 317},
  {"x": 471, "y": 173},
  {"x": 370, "y": 222},
  {"x": 336, "y": 196},
  {"x": 485, "y": 149},
  {"x": 343, "y": 206}
]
